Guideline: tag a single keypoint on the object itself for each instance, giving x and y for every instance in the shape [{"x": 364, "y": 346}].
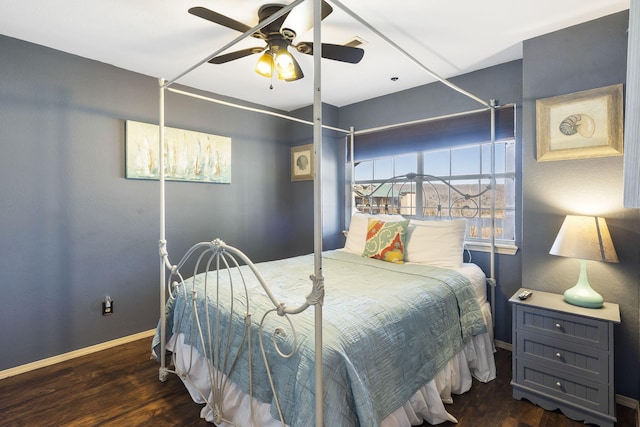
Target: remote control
[{"x": 524, "y": 295}]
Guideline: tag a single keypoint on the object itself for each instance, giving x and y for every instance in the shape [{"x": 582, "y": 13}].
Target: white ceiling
[{"x": 160, "y": 39}]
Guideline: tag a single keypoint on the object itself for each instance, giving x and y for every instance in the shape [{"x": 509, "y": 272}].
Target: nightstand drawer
[
  {"x": 570, "y": 388},
  {"x": 576, "y": 329},
  {"x": 589, "y": 362}
]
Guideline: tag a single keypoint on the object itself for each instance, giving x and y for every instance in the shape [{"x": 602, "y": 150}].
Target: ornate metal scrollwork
[
  {"x": 214, "y": 258},
  {"x": 317, "y": 291}
]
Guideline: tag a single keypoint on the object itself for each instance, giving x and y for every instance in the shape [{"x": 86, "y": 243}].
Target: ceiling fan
[{"x": 278, "y": 36}]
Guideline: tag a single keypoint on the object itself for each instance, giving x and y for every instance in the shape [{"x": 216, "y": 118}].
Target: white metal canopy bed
[{"x": 372, "y": 356}]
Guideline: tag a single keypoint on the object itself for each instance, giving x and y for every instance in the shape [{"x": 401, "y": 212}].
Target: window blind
[{"x": 474, "y": 127}]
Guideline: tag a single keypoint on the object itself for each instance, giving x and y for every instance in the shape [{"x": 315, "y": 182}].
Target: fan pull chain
[{"x": 273, "y": 73}]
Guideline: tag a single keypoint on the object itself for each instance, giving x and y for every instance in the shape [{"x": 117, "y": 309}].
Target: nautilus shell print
[
  {"x": 581, "y": 124},
  {"x": 302, "y": 162}
]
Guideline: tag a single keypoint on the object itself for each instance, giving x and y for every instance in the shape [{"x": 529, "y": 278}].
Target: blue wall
[
  {"x": 584, "y": 57},
  {"x": 74, "y": 230},
  {"x": 333, "y": 165}
]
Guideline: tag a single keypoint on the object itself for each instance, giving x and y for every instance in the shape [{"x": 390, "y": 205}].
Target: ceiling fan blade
[
  {"x": 337, "y": 52},
  {"x": 300, "y": 18},
  {"x": 265, "y": 12},
  {"x": 221, "y": 59},
  {"x": 217, "y": 18}
]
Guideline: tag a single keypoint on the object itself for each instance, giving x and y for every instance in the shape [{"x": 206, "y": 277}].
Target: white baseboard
[
  {"x": 503, "y": 345},
  {"x": 73, "y": 354},
  {"x": 625, "y": 401}
]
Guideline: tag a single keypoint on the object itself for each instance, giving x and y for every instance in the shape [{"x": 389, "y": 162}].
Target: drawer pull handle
[
  {"x": 558, "y": 355},
  {"x": 558, "y": 384}
]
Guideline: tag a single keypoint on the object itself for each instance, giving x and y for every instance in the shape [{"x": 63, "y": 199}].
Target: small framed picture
[
  {"x": 302, "y": 163},
  {"x": 580, "y": 125}
]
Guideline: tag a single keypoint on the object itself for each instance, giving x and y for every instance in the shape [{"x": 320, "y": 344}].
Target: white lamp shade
[{"x": 584, "y": 237}]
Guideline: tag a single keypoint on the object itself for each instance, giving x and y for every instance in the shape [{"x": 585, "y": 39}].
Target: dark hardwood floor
[{"x": 120, "y": 387}]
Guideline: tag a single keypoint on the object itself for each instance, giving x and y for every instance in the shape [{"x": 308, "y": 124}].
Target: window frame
[{"x": 507, "y": 173}]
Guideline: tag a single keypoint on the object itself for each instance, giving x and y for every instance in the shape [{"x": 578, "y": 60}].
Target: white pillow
[
  {"x": 439, "y": 243},
  {"x": 357, "y": 234}
]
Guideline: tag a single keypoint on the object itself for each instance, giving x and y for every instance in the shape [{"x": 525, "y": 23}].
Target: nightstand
[{"x": 563, "y": 356}]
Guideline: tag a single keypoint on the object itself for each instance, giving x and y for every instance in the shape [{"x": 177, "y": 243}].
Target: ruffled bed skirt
[{"x": 427, "y": 404}]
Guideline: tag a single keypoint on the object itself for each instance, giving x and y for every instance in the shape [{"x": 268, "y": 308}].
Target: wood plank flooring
[
  {"x": 120, "y": 387},
  {"x": 492, "y": 405}
]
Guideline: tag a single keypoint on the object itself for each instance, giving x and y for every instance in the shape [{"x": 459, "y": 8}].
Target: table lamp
[{"x": 585, "y": 238}]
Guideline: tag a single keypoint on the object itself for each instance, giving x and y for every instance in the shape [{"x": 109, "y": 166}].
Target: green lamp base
[
  {"x": 582, "y": 294},
  {"x": 588, "y": 300}
]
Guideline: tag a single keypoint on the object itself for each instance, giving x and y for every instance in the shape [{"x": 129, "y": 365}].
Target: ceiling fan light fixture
[
  {"x": 287, "y": 67},
  {"x": 278, "y": 36},
  {"x": 264, "y": 66}
]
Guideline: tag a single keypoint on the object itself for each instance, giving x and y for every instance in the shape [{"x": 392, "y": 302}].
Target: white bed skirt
[{"x": 427, "y": 404}]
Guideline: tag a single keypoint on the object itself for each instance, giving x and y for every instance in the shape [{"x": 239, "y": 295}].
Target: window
[{"x": 466, "y": 167}]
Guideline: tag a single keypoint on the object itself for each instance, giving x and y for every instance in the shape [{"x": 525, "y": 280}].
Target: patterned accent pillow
[
  {"x": 385, "y": 240},
  {"x": 357, "y": 234}
]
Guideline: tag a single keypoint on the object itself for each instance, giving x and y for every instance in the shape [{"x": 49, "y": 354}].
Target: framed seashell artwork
[
  {"x": 302, "y": 163},
  {"x": 580, "y": 125}
]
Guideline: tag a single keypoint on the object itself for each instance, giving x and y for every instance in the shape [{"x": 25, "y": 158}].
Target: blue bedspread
[{"x": 387, "y": 330}]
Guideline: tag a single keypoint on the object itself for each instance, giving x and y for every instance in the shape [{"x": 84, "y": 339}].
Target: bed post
[
  {"x": 352, "y": 183},
  {"x": 492, "y": 280},
  {"x": 317, "y": 217},
  {"x": 163, "y": 243}
]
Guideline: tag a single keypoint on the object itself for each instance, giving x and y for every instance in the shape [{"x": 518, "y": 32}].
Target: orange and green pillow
[{"x": 386, "y": 240}]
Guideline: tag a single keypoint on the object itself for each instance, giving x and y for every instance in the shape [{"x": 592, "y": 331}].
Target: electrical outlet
[{"x": 107, "y": 306}]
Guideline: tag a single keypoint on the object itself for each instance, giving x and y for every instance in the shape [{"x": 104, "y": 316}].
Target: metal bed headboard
[{"x": 408, "y": 195}]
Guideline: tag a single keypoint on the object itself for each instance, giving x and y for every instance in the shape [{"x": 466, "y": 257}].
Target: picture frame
[
  {"x": 190, "y": 156},
  {"x": 580, "y": 125},
  {"x": 302, "y": 163}
]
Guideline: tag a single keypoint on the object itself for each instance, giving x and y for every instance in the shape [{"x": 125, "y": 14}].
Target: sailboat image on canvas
[{"x": 189, "y": 155}]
